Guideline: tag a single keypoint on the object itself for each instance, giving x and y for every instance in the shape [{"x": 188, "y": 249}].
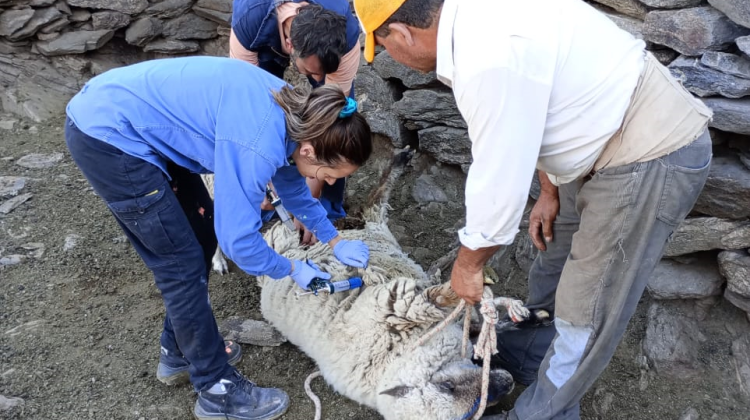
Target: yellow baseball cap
[{"x": 372, "y": 14}]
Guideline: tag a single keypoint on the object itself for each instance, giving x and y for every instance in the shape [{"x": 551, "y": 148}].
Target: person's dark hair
[
  {"x": 320, "y": 32},
  {"x": 314, "y": 117},
  {"x": 417, "y": 13}
]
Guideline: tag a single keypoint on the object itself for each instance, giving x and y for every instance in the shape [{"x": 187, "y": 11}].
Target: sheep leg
[{"x": 515, "y": 308}]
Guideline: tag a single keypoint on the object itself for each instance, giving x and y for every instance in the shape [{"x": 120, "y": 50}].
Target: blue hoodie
[{"x": 209, "y": 115}]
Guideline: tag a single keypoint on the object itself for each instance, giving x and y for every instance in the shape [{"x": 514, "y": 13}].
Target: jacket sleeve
[
  {"x": 247, "y": 19},
  {"x": 296, "y": 197},
  {"x": 240, "y": 182}
]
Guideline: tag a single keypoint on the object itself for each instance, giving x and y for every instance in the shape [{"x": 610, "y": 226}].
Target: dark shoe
[
  {"x": 501, "y": 416},
  {"x": 522, "y": 347},
  {"x": 240, "y": 400},
  {"x": 173, "y": 370}
]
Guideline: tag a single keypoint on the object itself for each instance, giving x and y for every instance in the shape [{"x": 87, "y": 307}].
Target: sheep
[{"x": 363, "y": 340}]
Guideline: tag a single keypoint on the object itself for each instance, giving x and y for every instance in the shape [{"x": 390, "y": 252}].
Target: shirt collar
[{"x": 445, "y": 67}]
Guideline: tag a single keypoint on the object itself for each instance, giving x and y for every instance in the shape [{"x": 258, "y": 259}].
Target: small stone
[
  {"x": 6, "y": 403},
  {"x": 36, "y": 249},
  {"x": 33, "y": 130},
  {"x": 39, "y": 160},
  {"x": 11, "y": 260},
  {"x": 7, "y": 124},
  {"x": 690, "y": 414},
  {"x": 250, "y": 331},
  {"x": 71, "y": 241},
  {"x": 10, "y": 185},
  {"x": 10, "y": 205}
]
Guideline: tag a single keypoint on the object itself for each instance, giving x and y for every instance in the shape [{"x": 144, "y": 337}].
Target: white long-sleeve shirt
[{"x": 541, "y": 84}]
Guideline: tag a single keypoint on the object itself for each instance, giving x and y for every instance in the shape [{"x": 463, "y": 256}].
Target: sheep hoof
[{"x": 219, "y": 264}]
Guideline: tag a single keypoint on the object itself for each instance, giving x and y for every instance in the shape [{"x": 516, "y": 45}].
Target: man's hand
[
  {"x": 544, "y": 213},
  {"x": 467, "y": 277}
]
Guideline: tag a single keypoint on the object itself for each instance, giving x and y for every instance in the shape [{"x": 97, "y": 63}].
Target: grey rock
[
  {"x": 169, "y": 9},
  {"x": 250, "y": 331},
  {"x": 6, "y": 261},
  {"x": 375, "y": 97},
  {"x": 35, "y": 249},
  {"x": 142, "y": 31},
  {"x": 525, "y": 251},
  {"x": 41, "y": 3},
  {"x": 674, "y": 280},
  {"x": 224, "y": 6},
  {"x": 446, "y": 144},
  {"x": 633, "y": 8},
  {"x": 727, "y": 190},
  {"x": 217, "y": 47},
  {"x": 737, "y": 300},
  {"x": 190, "y": 26},
  {"x": 170, "y": 46},
  {"x": 13, "y": 20},
  {"x": 426, "y": 190},
  {"x": 737, "y": 10},
  {"x": 735, "y": 266},
  {"x": 75, "y": 42},
  {"x": 665, "y": 55},
  {"x": 727, "y": 63},
  {"x": 673, "y": 339},
  {"x": 707, "y": 233},
  {"x": 71, "y": 241},
  {"x": 690, "y": 414},
  {"x": 132, "y": 7},
  {"x": 388, "y": 68},
  {"x": 221, "y": 18},
  {"x": 53, "y": 27},
  {"x": 41, "y": 18},
  {"x": 39, "y": 160},
  {"x": 629, "y": 24},
  {"x": 741, "y": 353},
  {"x": 423, "y": 108},
  {"x": 6, "y": 403},
  {"x": 8, "y": 124},
  {"x": 63, "y": 7},
  {"x": 671, "y": 4},
  {"x": 692, "y": 31},
  {"x": 13, "y": 203},
  {"x": 704, "y": 81},
  {"x": 11, "y": 185},
  {"x": 109, "y": 20},
  {"x": 732, "y": 115},
  {"x": 743, "y": 43},
  {"x": 80, "y": 15}
]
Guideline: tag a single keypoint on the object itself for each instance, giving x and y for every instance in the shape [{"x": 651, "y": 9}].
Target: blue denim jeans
[{"x": 170, "y": 225}]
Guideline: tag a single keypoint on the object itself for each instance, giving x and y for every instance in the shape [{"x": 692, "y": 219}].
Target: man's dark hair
[
  {"x": 416, "y": 13},
  {"x": 319, "y": 32}
]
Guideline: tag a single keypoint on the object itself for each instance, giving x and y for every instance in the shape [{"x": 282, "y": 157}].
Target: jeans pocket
[
  {"x": 682, "y": 186},
  {"x": 156, "y": 220}
]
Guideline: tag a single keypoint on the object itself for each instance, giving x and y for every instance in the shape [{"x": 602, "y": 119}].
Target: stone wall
[{"x": 49, "y": 48}]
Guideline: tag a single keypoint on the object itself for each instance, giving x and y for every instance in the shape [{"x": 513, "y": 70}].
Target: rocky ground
[{"x": 80, "y": 314}]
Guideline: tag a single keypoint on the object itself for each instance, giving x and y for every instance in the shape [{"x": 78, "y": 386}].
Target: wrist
[{"x": 332, "y": 243}]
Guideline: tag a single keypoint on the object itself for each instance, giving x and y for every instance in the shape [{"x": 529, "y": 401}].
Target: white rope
[{"x": 312, "y": 395}]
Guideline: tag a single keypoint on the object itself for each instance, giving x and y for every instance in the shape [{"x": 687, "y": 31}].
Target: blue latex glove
[
  {"x": 304, "y": 273},
  {"x": 353, "y": 253}
]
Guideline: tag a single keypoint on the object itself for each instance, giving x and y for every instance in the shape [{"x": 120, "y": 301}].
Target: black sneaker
[
  {"x": 173, "y": 369},
  {"x": 240, "y": 399}
]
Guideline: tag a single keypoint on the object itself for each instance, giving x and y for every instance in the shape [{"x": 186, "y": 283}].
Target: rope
[
  {"x": 486, "y": 342},
  {"x": 311, "y": 394}
]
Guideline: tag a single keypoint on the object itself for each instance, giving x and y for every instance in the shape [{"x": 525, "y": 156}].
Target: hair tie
[{"x": 349, "y": 109}]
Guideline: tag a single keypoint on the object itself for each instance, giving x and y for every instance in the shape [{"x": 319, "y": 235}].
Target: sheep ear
[{"x": 397, "y": 391}]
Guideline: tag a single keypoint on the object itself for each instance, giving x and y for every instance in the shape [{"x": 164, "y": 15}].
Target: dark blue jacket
[{"x": 255, "y": 25}]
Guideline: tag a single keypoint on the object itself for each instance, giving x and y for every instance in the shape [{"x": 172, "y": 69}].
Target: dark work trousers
[
  {"x": 608, "y": 237},
  {"x": 170, "y": 225}
]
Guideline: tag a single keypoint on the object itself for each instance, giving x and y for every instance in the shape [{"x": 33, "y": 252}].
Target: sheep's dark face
[{"x": 434, "y": 382}]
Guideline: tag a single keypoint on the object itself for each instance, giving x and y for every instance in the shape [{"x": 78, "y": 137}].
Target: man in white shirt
[{"x": 554, "y": 85}]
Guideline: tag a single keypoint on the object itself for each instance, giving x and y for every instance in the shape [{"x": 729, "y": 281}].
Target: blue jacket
[
  {"x": 255, "y": 24},
  {"x": 207, "y": 114}
]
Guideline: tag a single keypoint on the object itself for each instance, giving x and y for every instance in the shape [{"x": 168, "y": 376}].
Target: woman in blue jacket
[{"x": 141, "y": 134}]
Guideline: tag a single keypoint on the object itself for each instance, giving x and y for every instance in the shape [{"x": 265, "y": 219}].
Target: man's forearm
[
  {"x": 546, "y": 185},
  {"x": 475, "y": 260}
]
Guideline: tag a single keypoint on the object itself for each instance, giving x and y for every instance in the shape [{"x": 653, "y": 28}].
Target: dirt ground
[{"x": 79, "y": 328}]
